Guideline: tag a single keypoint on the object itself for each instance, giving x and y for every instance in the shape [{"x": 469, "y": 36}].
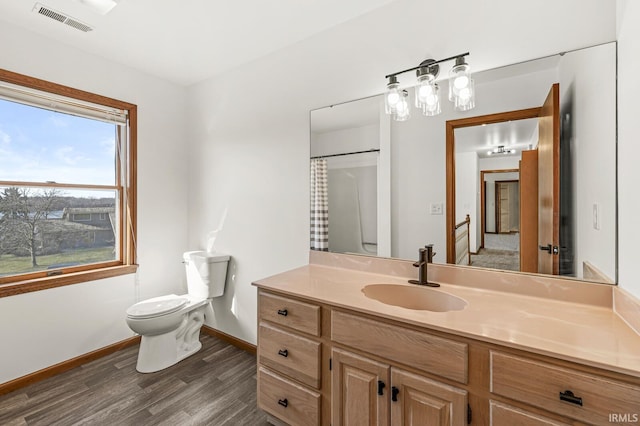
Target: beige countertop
[{"x": 585, "y": 333}]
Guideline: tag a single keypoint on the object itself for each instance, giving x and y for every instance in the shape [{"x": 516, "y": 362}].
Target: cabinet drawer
[
  {"x": 432, "y": 354},
  {"x": 291, "y": 354},
  {"x": 286, "y": 400},
  {"x": 506, "y": 415},
  {"x": 543, "y": 385},
  {"x": 298, "y": 315}
]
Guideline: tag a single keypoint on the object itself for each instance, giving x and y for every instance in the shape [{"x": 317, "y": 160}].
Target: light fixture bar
[{"x": 428, "y": 65}]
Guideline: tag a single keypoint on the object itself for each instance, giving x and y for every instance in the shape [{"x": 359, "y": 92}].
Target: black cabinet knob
[
  {"x": 283, "y": 352},
  {"x": 394, "y": 393},
  {"x": 381, "y": 387},
  {"x": 282, "y": 312},
  {"x": 283, "y": 402}
]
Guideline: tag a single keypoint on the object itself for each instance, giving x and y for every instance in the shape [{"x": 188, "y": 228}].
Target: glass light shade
[
  {"x": 427, "y": 95},
  {"x": 465, "y": 99},
  {"x": 391, "y": 98},
  {"x": 402, "y": 110},
  {"x": 459, "y": 79}
]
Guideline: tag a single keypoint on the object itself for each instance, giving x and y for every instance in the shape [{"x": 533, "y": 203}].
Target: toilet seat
[{"x": 156, "y": 307}]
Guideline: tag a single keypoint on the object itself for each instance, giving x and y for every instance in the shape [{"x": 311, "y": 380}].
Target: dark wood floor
[{"x": 216, "y": 386}]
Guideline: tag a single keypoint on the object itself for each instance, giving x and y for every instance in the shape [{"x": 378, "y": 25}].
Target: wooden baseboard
[
  {"x": 239, "y": 343},
  {"x": 45, "y": 373}
]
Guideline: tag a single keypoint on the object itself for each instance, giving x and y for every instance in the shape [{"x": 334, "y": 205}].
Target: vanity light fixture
[
  {"x": 501, "y": 150},
  {"x": 427, "y": 92}
]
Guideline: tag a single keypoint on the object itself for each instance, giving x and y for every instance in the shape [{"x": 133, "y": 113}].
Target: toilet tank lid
[{"x": 209, "y": 257}]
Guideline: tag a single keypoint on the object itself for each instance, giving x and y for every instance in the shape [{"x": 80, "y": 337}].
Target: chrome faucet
[{"x": 425, "y": 257}]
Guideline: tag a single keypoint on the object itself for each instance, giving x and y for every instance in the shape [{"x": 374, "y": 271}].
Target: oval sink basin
[{"x": 414, "y": 297}]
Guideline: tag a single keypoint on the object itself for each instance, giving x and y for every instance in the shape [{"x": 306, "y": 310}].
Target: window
[
  {"x": 81, "y": 217},
  {"x": 67, "y": 185}
]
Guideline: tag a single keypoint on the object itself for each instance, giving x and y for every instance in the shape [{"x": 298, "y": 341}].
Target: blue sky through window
[{"x": 38, "y": 145}]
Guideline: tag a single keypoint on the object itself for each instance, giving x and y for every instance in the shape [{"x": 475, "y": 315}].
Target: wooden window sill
[{"x": 27, "y": 286}]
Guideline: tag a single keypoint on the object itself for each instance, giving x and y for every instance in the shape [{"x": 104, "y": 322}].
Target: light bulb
[
  {"x": 461, "y": 82},
  {"x": 393, "y": 98},
  {"x": 464, "y": 94},
  {"x": 402, "y": 112},
  {"x": 427, "y": 94},
  {"x": 464, "y": 99}
]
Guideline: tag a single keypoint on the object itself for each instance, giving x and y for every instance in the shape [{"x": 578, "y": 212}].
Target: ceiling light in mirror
[{"x": 501, "y": 150}]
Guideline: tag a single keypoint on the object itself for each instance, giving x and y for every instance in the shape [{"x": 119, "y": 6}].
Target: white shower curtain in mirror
[{"x": 319, "y": 205}]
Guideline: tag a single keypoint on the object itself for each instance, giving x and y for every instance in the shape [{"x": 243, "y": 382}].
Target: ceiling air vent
[{"x": 61, "y": 17}]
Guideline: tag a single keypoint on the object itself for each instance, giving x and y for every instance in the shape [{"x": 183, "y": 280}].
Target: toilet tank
[{"x": 206, "y": 273}]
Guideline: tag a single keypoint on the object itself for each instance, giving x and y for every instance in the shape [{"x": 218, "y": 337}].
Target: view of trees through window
[
  {"x": 48, "y": 229},
  {"x": 58, "y": 192}
]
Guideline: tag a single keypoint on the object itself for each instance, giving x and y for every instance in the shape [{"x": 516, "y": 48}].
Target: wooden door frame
[
  {"x": 450, "y": 127},
  {"x": 483, "y": 194}
]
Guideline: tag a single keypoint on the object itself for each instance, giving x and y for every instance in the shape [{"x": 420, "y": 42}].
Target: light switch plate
[{"x": 435, "y": 208}]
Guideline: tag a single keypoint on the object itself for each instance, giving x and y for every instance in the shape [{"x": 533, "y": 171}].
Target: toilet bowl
[{"x": 170, "y": 325}]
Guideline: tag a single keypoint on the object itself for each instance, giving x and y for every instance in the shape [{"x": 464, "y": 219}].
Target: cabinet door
[
  {"x": 360, "y": 390},
  {"x": 419, "y": 401}
]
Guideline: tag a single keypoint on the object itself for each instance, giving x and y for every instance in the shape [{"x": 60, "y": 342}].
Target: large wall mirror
[{"x": 525, "y": 181}]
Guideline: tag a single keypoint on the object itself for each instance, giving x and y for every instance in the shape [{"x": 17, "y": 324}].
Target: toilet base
[{"x": 164, "y": 350}]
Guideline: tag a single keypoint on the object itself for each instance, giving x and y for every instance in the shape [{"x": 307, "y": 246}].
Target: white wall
[
  {"x": 628, "y": 146},
  {"x": 249, "y": 128},
  {"x": 418, "y": 160},
  {"x": 467, "y": 193},
  {"x": 43, "y": 328},
  {"x": 247, "y": 145},
  {"x": 346, "y": 140}
]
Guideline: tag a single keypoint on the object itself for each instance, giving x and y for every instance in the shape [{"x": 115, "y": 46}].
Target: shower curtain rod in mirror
[{"x": 345, "y": 153}]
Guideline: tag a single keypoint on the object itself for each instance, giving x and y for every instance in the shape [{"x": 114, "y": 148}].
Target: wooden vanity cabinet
[
  {"x": 346, "y": 368},
  {"x": 582, "y": 396},
  {"x": 289, "y": 359},
  {"x": 360, "y": 390},
  {"x": 368, "y": 392},
  {"x": 504, "y": 414}
]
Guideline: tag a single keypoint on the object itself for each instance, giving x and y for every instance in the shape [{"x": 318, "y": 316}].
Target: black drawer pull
[
  {"x": 283, "y": 402},
  {"x": 282, "y": 312},
  {"x": 394, "y": 393},
  {"x": 283, "y": 352},
  {"x": 381, "y": 386},
  {"x": 570, "y": 397}
]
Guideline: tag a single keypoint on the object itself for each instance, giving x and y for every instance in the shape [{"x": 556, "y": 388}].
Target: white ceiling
[
  {"x": 187, "y": 41},
  {"x": 516, "y": 135}
]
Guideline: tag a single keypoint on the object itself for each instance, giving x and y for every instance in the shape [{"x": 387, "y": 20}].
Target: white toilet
[{"x": 170, "y": 325}]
